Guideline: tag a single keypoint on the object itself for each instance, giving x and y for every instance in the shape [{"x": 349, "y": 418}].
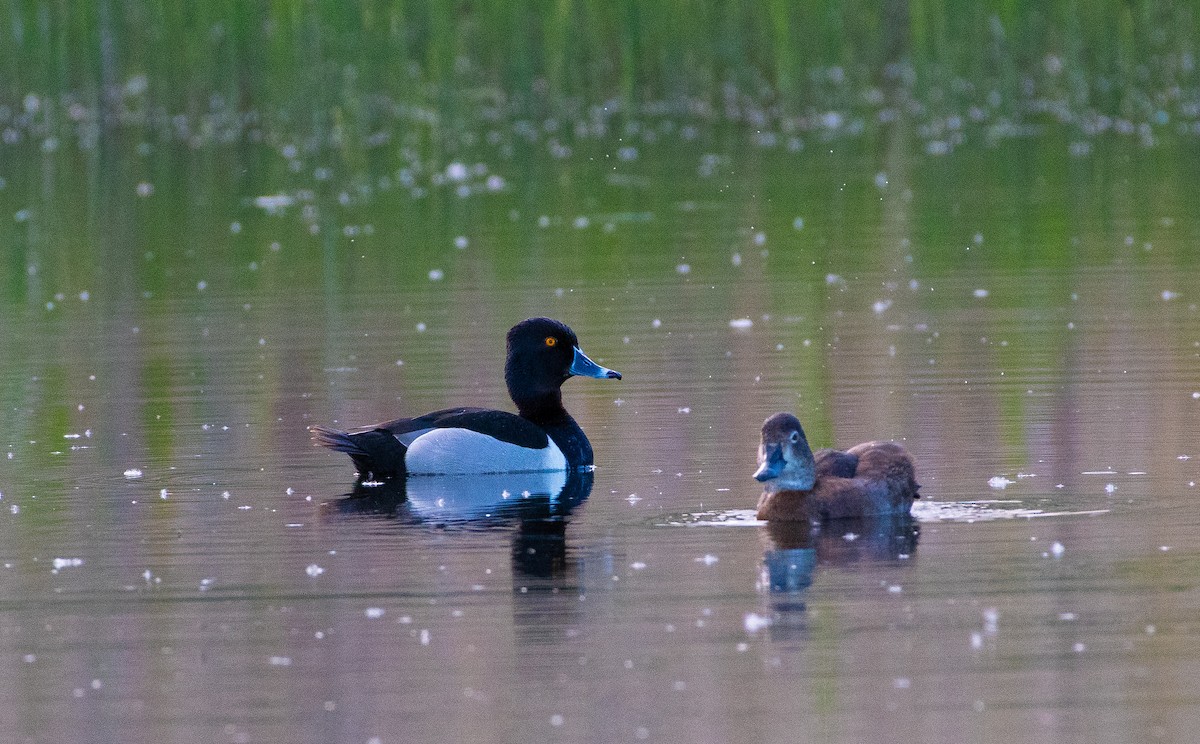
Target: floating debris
[
  {"x": 741, "y": 324},
  {"x": 133, "y": 474},
  {"x": 274, "y": 203},
  {"x": 753, "y": 622},
  {"x": 1000, "y": 481}
]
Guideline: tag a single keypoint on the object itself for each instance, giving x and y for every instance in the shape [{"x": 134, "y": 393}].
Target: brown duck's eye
[
  {"x": 551, "y": 340},
  {"x": 795, "y": 437}
]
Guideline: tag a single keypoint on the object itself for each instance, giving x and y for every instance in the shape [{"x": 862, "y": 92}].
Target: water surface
[{"x": 180, "y": 564}]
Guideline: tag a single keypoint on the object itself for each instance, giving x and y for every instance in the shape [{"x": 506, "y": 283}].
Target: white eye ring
[{"x": 795, "y": 437}]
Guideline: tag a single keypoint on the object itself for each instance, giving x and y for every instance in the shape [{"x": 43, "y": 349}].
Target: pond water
[{"x": 178, "y": 563}]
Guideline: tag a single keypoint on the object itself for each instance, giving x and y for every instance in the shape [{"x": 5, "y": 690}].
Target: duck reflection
[
  {"x": 792, "y": 552},
  {"x": 473, "y": 501}
]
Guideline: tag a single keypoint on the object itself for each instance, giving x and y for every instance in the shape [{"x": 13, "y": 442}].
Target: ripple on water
[{"x": 923, "y": 511}]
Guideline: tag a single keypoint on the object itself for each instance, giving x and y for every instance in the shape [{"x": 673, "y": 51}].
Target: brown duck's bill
[{"x": 772, "y": 464}]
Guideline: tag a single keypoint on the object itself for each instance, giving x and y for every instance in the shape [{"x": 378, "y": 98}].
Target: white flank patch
[{"x": 466, "y": 452}]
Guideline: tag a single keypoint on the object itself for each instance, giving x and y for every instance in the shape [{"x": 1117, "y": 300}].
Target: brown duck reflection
[{"x": 793, "y": 551}]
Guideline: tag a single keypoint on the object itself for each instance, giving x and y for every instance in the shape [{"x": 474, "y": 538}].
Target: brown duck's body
[{"x": 873, "y": 478}]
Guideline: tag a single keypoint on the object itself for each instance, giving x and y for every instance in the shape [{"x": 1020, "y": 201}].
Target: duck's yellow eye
[{"x": 551, "y": 340}]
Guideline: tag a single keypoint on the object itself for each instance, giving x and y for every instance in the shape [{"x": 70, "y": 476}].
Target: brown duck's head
[{"x": 785, "y": 461}]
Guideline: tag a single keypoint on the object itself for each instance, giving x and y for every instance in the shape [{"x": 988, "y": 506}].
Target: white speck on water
[
  {"x": 201, "y": 285},
  {"x": 225, "y": 495},
  {"x": 798, "y": 223},
  {"x": 980, "y": 293},
  {"x": 1079, "y": 648},
  {"x": 991, "y": 620},
  {"x": 684, "y": 409},
  {"x": 736, "y": 259},
  {"x": 421, "y": 327},
  {"x": 833, "y": 279},
  {"x": 741, "y": 324},
  {"x": 901, "y": 683},
  {"x": 1109, "y": 488},
  {"x": 656, "y": 323},
  {"x": 881, "y": 305},
  {"x": 1057, "y": 549},
  {"x": 753, "y": 622},
  {"x": 760, "y": 238},
  {"x": 164, "y": 494},
  {"x": 424, "y": 636},
  {"x": 60, "y": 563},
  {"x": 14, "y": 509},
  {"x": 976, "y": 640},
  {"x": 273, "y": 203},
  {"x": 436, "y": 275},
  {"x": 374, "y": 613},
  {"x": 895, "y": 589},
  {"x": 84, "y": 296},
  {"x": 29, "y": 658},
  {"x": 461, "y": 242},
  {"x": 314, "y": 570},
  {"x": 1196, "y": 396},
  {"x": 1067, "y": 616},
  {"x": 457, "y": 171},
  {"x": 637, "y": 566},
  {"x": 581, "y": 223},
  {"x": 850, "y": 537},
  {"x": 281, "y": 661},
  {"x": 1168, "y": 295},
  {"x": 1151, "y": 630},
  {"x": 707, "y": 559},
  {"x": 684, "y": 268},
  {"x": 556, "y": 720},
  {"x": 132, "y": 473},
  {"x": 999, "y": 481},
  {"x": 633, "y": 498}
]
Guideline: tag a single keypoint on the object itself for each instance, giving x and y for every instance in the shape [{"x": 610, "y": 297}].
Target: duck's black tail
[
  {"x": 376, "y": 454},
  {"x": 335, "y": 440}
]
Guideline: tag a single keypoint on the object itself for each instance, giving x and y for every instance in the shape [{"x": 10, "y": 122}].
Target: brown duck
[{"x": 872, "y": 478}]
